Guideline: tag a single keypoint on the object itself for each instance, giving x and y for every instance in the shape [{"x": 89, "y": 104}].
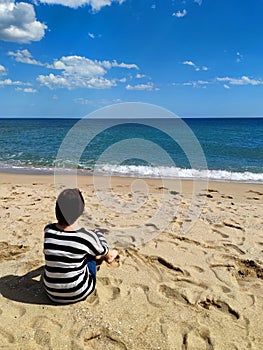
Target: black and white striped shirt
[{"x": 66, "y": 276}]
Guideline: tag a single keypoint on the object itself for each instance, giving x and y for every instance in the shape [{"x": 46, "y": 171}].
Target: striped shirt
[{"x": 66, "y": 277}]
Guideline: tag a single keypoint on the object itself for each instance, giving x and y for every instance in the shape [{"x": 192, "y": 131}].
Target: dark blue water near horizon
[{"x": 233, "y": 148}]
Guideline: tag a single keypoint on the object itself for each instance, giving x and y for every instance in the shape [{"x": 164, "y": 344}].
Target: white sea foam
[
  {"x": 141, "y": 171},
  {"x": 179, "y": 173}
]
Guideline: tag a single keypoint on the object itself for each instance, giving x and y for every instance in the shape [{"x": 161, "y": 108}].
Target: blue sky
[{"x": 66, "y": 58}]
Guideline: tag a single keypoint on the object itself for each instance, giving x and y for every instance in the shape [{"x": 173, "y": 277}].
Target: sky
[{"x": 67, "y": 58}]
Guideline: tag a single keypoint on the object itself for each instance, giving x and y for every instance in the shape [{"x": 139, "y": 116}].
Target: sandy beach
[{"x": 189, "y": 275}]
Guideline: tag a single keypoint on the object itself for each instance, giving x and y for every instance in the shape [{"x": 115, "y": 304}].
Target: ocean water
[{"x": 229, "y": 149}]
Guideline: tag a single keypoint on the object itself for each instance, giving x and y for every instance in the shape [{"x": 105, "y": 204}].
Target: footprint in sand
[
  {"x": 93, "y": 298},
  {"x": 11, "y": 251},
  {"x": 198, "y": 269},
  {"x": 197, "y": 340},
  {"x": 6, "y": 338},
  {"x": 42, "y": 326},
  {"x": 227, "y": 197},
  {"x": 150, "y": 294},
  {"x": 43, "y": 338},
  {"x": 234, "y": 247},
  {"x": 186, "y": 336},
  {"x": 174, "y": 294},
  {"x": 223, "y": 235},
  {"x": 103, "y": 339},
  {"x": 9, "y": 310},
  {"x": 235, "y": 225},
  {"x": 247, "y": 269},
  {"x": 222, "y": 306},
  {"x": 255, "y": 192},
  {"x": 108, "y": 288},
  {"x": 163, "y": 263}
]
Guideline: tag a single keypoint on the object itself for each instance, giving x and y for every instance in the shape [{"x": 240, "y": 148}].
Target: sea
[{"x": 220, "y": 149}]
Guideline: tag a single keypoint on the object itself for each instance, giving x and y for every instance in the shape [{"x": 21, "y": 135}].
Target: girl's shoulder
[
  {"x": 49, "y": 226},
  {"x": 95, "y": 232}
]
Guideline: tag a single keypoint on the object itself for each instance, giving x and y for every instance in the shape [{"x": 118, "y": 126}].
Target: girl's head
[{"x": 69, "y": 206}]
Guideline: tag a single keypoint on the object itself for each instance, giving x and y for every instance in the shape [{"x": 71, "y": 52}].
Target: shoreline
[
  {"x": 49, "y": 178},
  {"x": 169, "y": 173}
]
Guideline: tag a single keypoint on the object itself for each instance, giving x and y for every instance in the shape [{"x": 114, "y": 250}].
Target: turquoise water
[{"x": 233, "y": 148}]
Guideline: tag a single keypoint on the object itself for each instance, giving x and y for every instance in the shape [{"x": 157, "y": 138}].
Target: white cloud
[
  {"x": 80, "y": 66},
  {"x": 92, "y": 36},
  {"x": 27, "y": 90},
  {"x": 192, "y": 64},
  {"x": 148, "y": 86},
  {"x": 244, "y": 80},
  {"x": 180, "y": 14},
  {"x": 96, "y": 103},
  {"x": 96, "y": 5},
  {"x": 239, "y": 57},
  {"x": 196, "y": 84},
  {"x": 9, "y": 82},
  {"x": 30, "y": 90},
  {"x": 70, "y": 82},
  {"x": 199, "y": 2},
  {"x": 2, "y": 70},
  {"x": 52, "y": 81},
  {"x": 226, "y": 81},
  {"x": 86, "y": 66},
  {"x": 71, "y": 64},
  {"x": 84, "y": 101},
  {"x": 24, "y": 56},
  {"x": 140, "y": 76},
  {"x": 82, "y": 72},
  {"x": 202, "y": 82},
  {"x": 189, "y": 63},
  {"x": 18, "y": 22},
  {"x": 124, "y": 65}
]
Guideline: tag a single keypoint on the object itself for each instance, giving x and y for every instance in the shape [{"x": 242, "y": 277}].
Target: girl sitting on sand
[{"x": 71, "y": 254}]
